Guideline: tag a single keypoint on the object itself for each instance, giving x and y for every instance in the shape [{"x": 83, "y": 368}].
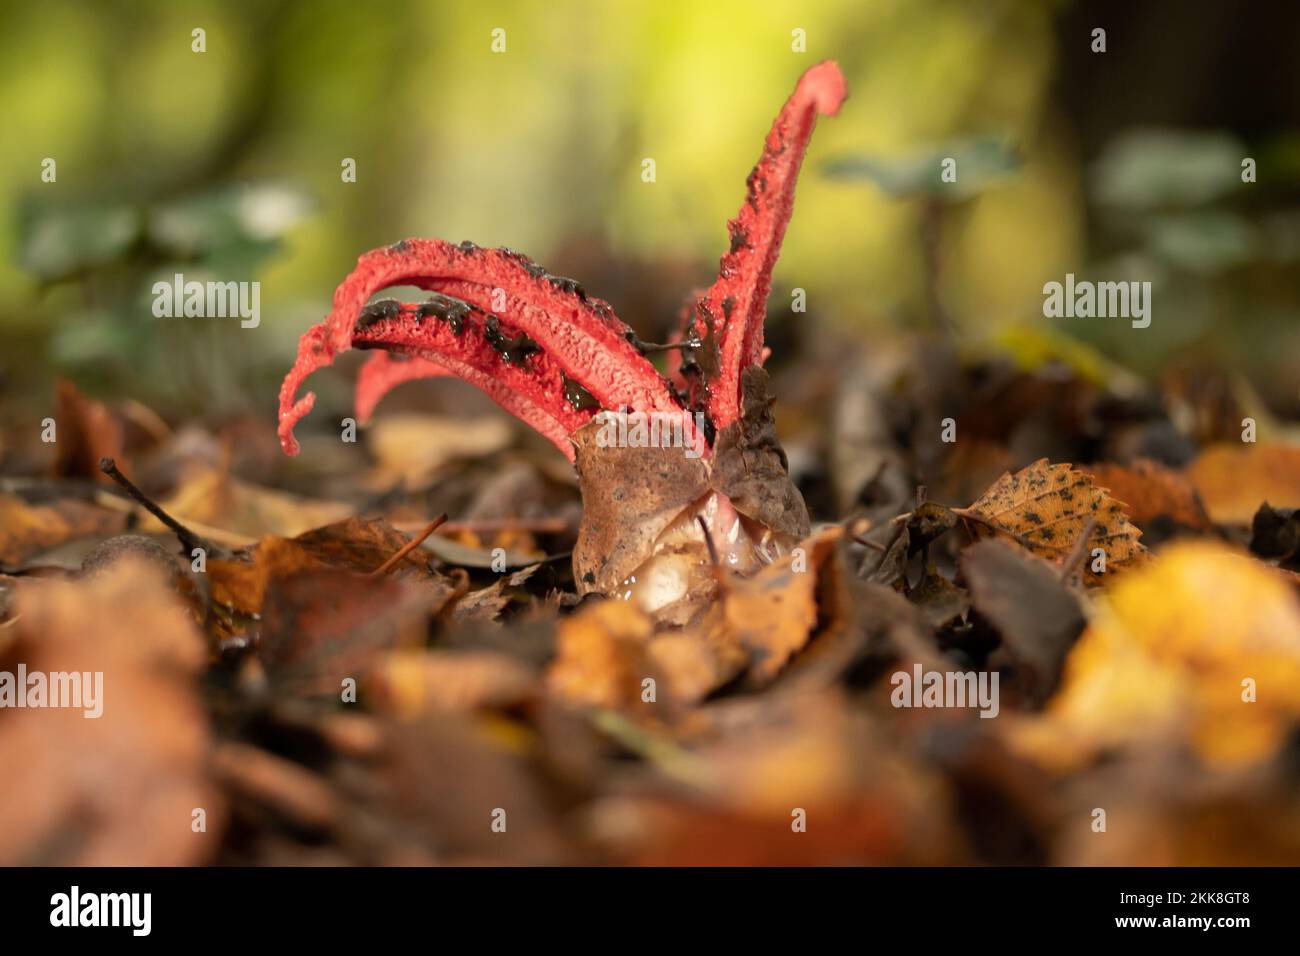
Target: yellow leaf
[{"x": 1165, "y": 660}]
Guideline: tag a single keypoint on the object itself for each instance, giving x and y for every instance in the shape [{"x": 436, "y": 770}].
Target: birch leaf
[{"x": 1045, "y": 508}]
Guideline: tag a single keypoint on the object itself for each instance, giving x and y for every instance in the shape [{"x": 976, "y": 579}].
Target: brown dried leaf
[
  {"x": 363, "y": 544},
  {"x": 321, "y": 626},
  {"x": 409, "y": 449},
  {"x": 213, "y": 498},
  {"x": 88, "y": 431},
  {"x": 485, "y": 605},
  {"x": 1045, "y": 508},
  {"x": 27, "y": 530},
  {"x": 1038, "y": 617},
  {"x": 941, "y": 601},
  {"x": 240, "y": 583},
  {"x": 119, "y": 789},
  {"x": 601, "y": 656},
  {"x": 1165, "y": 661},
  {"x": 698, "y": 661},
  {"x": 355, "y": 544}
]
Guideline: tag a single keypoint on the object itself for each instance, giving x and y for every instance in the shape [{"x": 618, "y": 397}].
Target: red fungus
[
  {"x": 532, "y": 389},
  {"x": 733, "y": 309},
  {"x": 383, "y": 372},
  {"x": 538, "y": 344}
]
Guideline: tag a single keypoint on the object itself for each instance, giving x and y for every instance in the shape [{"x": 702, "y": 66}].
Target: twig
[
  {"x": 410, "y": 546},
  {"x": 489, "y": 525},
  {"x": 870, "y": 544},
  {"x": 187, "y": 537},
  {"x": 228, "y": 539},
  {"x": 1071, "y": 562}
]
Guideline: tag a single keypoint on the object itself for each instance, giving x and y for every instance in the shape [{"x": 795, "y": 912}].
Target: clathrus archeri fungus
[{"x": 562, "y": 361}]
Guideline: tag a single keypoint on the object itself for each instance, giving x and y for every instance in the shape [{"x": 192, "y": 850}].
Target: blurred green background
[{"x": 226, "y": 164}]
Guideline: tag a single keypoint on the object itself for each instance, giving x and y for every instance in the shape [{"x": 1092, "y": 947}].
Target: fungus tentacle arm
[{"x": 736, "y": 302}]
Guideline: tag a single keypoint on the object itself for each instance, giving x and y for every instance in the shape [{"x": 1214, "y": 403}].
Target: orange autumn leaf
[
  {"x": 774, "y": 612},
  {"x": 600, "y": 656},
  {"x": 606, "y": 652},
  {"x": 1234, "y": 479},
  {"x": 28, "y": 529},
  {"x": 1152, "y": 493},
  {"x": 1045, "y": 508},
  {"x": 409, "y": 682}
]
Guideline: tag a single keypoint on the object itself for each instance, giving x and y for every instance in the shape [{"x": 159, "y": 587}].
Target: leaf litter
[{"x": 281, "y": 652}]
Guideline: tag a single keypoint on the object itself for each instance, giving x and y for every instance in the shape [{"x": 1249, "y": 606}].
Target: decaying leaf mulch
[{"x": 1122, "y": 577}]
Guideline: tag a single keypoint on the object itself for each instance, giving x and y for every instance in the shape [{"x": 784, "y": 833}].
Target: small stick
[
  {"x": 870, "y": 544},
  {"x": 407, "y": 548},
  {"x": 1071, "y": 562},
  {"x": 488, "y": 525},
  {"x": 187, "y": 537},
  {"x": 235, "y": 542}
]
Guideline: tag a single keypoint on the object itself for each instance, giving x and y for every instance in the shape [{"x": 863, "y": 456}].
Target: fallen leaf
[
  {"x": 1154, "y": 496},
  {"x": 27, "y": 530},
  {"x": 941, "y": 601},
  {"x": 408, "y": 683},
  {"x": 363, "y": 544},
  {"x": 88, "y": 432},
  {"x": 240, "y": 582},
  {"x": 1234, "y": 479},
  {"x": 119, "y": 789},
  {"x": 486, "y": 604},
  {"x": 355, "y": 544},
  {"x": 410, "y": 449},
  {"x": 1037, "y": 616},
  {"x": 1046, "y": 507},
  {"x": 1166, "y": 660},
  {"x": 698, "y": 661},
  {"x": 774, "y": 612},
  {"x": 601, "y": 656},
  {"x": 322, "y": 626},
  {"x": 213, "y": 498}
]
